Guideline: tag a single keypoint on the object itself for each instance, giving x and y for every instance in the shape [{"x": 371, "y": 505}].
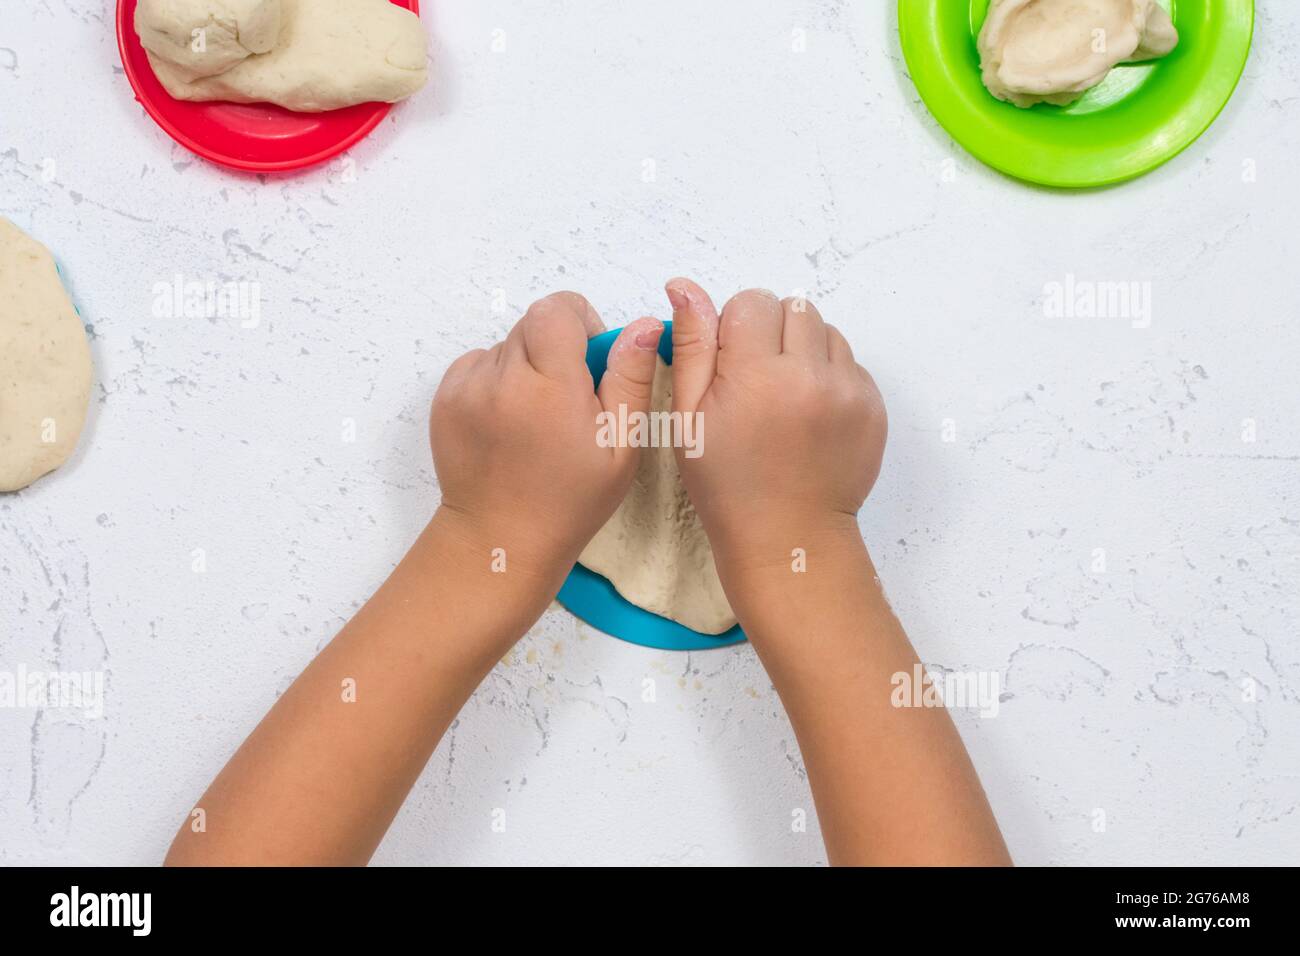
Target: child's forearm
[
  {"x": 893, "y": 785},
  {"x": 321, "y": 778}
]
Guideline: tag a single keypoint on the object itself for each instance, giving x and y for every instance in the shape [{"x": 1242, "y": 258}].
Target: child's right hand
[{"x": 794, "y": 428}]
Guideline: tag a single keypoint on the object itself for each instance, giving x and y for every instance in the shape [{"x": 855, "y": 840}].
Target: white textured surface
[{"x": 522, "y": 171}]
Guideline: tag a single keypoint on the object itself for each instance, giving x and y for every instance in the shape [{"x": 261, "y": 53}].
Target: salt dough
[
  {"x": 330, "y": 54},
  {"x": 654, "y": 549},
  {"x": 45, "y": 369},
  {"x": 205, "y": 37},
  {"x": 1054, "y": 51}
]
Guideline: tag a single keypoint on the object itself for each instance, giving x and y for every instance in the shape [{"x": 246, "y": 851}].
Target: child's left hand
[
  {"x": 513, "y": 430},
  {"x": 514, "y": 444}
]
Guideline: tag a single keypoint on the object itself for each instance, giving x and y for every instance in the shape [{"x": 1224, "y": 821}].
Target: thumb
[
  {"x": 630, "y": 368},
  {"x": 695, "y": 343}
]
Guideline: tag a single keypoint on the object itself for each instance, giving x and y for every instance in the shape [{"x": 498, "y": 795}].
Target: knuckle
[
  {"x": 558, "y": 306},
  {"x": 749, "y": 299},
  {"x": 465, "y": 362},
  {"x": 799, "y": 304},
  {"x": 546, "y": 313},
  {"x": 689, "y": 342},
  {"x": 574, "y": 300}
]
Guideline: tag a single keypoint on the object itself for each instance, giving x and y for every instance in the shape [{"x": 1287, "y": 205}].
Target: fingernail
[
  {"x": 649, "y": 339},
  {"x": 677, "y": 298}
]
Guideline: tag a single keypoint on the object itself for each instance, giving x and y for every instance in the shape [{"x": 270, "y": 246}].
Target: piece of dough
[
  {"x": 330, "y": 54},
  {"x": 45, "y": 370},
  {"x": 653, "y": 549},
  {"x": 225, "y": 32},
  {"x": 1054, "y": 51}
]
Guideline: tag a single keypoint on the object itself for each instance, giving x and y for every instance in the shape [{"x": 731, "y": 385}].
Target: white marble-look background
[{"x": 522, "y": 171}]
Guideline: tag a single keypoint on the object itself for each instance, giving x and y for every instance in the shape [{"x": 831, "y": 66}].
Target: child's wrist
[
  {"x": 499, "y": 550},
  {"x": 784, "y": 571},
  {"x": 459, "y": 568},
  {"x": 742, "y": 549}
]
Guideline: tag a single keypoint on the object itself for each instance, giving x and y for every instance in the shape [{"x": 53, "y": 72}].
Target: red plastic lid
[{"x": 256, "y": 137}]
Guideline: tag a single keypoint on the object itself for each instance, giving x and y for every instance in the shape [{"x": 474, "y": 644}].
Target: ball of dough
[
  {"x": 654, "y": 549},
  {"x": 1054, "y": 51},
  {"x": 45, "y": 369},
  {"x": 205, "y": 37},
  {"x": 331, "y": 54}
]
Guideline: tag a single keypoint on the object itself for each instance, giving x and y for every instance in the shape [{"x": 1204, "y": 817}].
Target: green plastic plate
[{"x": 1142, "y": 116}]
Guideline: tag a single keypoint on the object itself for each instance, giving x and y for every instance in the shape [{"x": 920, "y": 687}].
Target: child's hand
[
  {"x": 794, "y": 428},
  {"x": 513, "y": 430}
]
